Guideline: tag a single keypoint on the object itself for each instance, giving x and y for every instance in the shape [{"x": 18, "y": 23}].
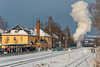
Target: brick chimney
[{"x": 38, "y": 28}]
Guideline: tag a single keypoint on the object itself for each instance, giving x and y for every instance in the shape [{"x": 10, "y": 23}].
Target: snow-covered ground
[{"x": 50, "y": 59}]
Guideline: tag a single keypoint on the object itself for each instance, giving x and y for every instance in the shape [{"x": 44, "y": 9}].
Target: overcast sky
[{"x": 25, "y": 12}]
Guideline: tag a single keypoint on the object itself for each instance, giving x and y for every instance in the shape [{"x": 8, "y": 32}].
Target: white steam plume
[{"x": 81, "y": 15}]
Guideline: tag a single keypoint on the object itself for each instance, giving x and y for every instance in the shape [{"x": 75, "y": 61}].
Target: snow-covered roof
[
  {"x": 42, "y": 33},
  {"x": 92, "y": 36},
  {"x": 33, "y": 32},
  {"x": 55, "y": 36},
  {"x": 18, "y": 30}
]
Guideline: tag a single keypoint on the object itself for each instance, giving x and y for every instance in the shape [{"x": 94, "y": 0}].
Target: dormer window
[{"x": 16, "y": 31}]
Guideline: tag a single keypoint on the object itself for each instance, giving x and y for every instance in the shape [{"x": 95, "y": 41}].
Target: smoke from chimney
[{"x": 81, "y": 15}]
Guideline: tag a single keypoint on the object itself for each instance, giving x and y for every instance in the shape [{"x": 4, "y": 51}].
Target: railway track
[
  {"x": 31, "y": 60},
  {"x": 82, "y": 61},
  {"x": 79, "y": 61},
  {"x": 25, "y": 57}
]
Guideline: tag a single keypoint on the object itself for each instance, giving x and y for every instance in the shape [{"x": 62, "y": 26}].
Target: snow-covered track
[
  {"x": 79, "y": 61},
  {"x": 29, "y": 59},
  {"x": 33, "y": 60},
  {"x": 21, "y": 57},
  {"x": 82, "y": 61}
]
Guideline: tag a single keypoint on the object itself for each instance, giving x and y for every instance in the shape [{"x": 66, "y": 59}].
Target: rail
[{"x": 78, "y": 60}]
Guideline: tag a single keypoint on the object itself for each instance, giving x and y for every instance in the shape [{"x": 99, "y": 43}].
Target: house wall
[
  {"x": 35, "y": 38},
  {"x": 30, "y": 38},
  {"x": 43, "y": 45},
  {"x": 20, "y": 39},
  {"x": 49, "y": 41}
]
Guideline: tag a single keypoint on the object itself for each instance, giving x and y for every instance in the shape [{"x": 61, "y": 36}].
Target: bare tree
[
  {"x": 52, "y": 27},
  {"x": 68, "y": 37},
  {"x": 67, "y": 34},
  {"x": 3, "y": 24},
  {"x": 42, "y": 26},
  {"x": 55, "y": 28},
  {"x": 95, "y": 12}
]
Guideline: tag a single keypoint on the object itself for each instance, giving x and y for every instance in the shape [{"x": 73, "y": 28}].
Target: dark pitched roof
[{"x": 18, "y": 27}]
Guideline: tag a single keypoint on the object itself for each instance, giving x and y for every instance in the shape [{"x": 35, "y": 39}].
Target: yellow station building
[{"x": 20, "y": 35}]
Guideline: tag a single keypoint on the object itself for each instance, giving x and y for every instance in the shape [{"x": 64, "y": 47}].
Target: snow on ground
[
  {"x": 51, "y": 59},
  {"x": 63, "y": 60}
]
